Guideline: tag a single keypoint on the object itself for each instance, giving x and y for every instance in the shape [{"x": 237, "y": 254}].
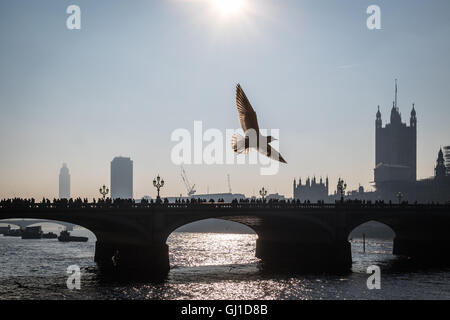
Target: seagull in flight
[{"x": 249, "y": 123}]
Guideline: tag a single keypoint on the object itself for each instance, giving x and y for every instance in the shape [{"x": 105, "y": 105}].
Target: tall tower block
[
  {"x": 121, "y": 178},
  {"x": 64, "y": 182}
]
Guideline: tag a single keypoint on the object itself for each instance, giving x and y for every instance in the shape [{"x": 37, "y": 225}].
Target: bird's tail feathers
[{"x": 238, "y": 143}]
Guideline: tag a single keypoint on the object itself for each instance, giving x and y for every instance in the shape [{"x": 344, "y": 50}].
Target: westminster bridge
[{"x": 306, "y": 237}]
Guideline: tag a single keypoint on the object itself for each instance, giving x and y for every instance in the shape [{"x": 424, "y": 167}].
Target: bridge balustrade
[{"x": 124, "y": 204}]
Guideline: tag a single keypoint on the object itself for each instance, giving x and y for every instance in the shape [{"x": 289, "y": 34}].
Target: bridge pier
[
  {"x": 305, "y": 257},
  {"x": 132, "y": 261}
]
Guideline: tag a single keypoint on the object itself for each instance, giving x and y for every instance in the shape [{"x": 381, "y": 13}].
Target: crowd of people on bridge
[{"x": 144, "y": 203}]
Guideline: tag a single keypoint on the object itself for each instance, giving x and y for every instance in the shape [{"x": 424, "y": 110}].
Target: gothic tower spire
[
  {"x": 378, "y": 121},
  {"x": 396, "y": 95},
  {"x": 440, "y": 169},
  {"x": 413, "y": 119}
]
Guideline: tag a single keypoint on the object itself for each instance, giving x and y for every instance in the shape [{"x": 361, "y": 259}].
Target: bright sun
[{"x": 229, "y": 7}]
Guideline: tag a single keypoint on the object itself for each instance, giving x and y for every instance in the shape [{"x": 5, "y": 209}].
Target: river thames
[{"x": 209, "y": 266}]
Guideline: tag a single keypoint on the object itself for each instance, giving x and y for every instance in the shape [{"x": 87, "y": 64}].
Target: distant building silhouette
[
  {"x": 447, "y": 159},
  {"x": 395, "y": 147},
  {"x": 440, "y": 170},
  {"x": 311, "y": 190},
  {"x": 121, "y": 178},
  {"x": 64, "y": 182},
  {"x": 434, "y": 189},
  {"x": 396, "y": 167},
  {"x": 275, "y": 196},
  {"x": 396, "y": 162},
  {"x": 226, "y": 197}
]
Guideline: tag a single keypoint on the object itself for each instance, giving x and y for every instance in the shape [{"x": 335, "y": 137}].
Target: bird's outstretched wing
[
  {"x": 247, "y": 116},
  {"x": 274, "y": 154}
]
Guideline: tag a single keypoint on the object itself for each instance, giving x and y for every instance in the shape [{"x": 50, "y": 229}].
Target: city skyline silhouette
[
  {"x": 388, "y": 158},
  {"x": 319, "y": 76},
  {"x": 135, "y": 167}
]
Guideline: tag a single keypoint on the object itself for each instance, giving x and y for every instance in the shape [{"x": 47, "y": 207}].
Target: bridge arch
[
  {"x": 371, "y": 240},
  {"x": 59, "y": 222},
  {"x": 189, "y": 222},
  {"x": 265, "y": 227},
  {"x": 207, "y": 242},
  {"x": 29, "y": 223},
  {"x": 215, "y": 225},
  {"x": 7, "y": 223},
  {"x": 387, "y": 221},
  {"x": 373, "y": 228},
  {"x": 280, "y": 240}
]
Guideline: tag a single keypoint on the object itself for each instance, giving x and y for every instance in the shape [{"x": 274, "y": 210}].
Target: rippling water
[{"x": 208, "y": 266}]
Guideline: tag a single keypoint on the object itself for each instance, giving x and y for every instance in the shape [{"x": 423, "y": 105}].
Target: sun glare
[{"x": 229, "y": 7}]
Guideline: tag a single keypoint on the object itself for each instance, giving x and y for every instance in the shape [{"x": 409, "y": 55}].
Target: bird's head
[{"x": 270, "y": 139}]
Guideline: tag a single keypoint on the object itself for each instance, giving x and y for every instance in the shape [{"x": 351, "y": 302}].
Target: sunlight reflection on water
[{"x": 207, "y": 266}]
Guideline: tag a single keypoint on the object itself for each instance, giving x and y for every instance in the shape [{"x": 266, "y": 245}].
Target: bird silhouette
[{"x": 252, "y": 137}]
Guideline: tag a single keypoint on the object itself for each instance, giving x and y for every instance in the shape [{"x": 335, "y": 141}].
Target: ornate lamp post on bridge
[
  {"x": 104, "y": 191},
  {"x": 158, "y": 183},
  {"x": 341, "y": 186},
  {"x": 399, "y": 197},
  {"x": 263, "y": 193}
]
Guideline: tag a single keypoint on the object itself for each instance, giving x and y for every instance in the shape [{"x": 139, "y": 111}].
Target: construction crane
[
  {"x": 190, "y": 189},
  {"x": 229, "y": 184}
]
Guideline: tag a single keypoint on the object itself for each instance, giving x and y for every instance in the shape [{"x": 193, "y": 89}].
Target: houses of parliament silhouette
[
  {"x": 311, "y": 190},
  {"x": 395, "y": 173}
]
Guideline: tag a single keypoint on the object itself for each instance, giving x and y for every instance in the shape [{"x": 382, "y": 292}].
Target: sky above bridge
[{"x": 138, "y": 70}]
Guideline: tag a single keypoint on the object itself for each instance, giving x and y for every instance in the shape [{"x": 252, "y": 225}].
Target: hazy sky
[{"x": 137, "y": 70}]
